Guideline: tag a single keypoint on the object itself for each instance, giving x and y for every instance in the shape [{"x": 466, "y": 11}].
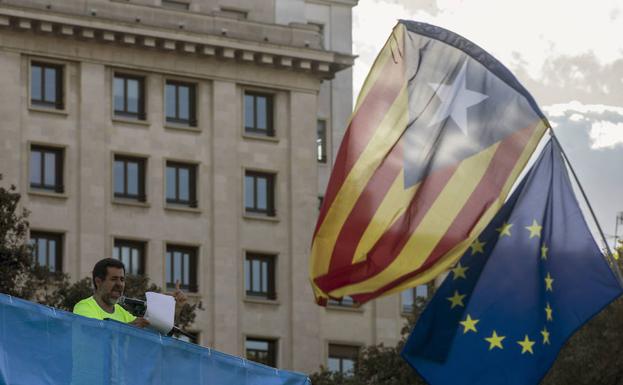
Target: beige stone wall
[{"x": 91, "y": 219}]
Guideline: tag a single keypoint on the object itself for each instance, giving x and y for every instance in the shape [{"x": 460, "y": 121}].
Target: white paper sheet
[{"x": 160, "y": 311}]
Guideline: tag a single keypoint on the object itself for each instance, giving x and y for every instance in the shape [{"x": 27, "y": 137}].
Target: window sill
[
  {"x": 351, "y": 309},
  {"x": 194, "y": 295},
  {"x": 50, "y": 110},
  {"x": 264, "y": 138},
  {"x": 187, "y": 209},
  {"x": 181, "y": 127},
  {"x": 263, "y": 301},
  {"x": 129, "y": 202},
  {"x": 260, "y": 217},
  {"x": 49, "y": 194},
  {"x": 119, "y": 119}
]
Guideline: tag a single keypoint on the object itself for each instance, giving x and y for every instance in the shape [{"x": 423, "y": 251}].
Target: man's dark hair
[{"x": 100, "y": 270}]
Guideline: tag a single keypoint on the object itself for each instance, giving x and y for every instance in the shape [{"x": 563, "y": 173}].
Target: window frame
[
  {"x": 58, "y": 153},
  {"x": 141, "y": 113},
  {"x": 271, "y": 276},
  {"x": 343, "y": 356},
  {"x": 59, "y": 92},
  {"x": 270, "y": 126},
  {"x": 193, "y": 170},
  {"x": 271, "y": 351},
  {"x": 346, "y": 302},
  {"x": 193, "y": 269},
  {"x": 141, "y": 196},
  {"x": 131, "y": 243},
  {"x": 192, "y": 103},
  {"x": 270, "y": 210},
  {"x": 48, "y": 236}
]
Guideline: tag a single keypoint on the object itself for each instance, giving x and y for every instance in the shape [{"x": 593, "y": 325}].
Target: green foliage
[{"x": 21, "y": 277}]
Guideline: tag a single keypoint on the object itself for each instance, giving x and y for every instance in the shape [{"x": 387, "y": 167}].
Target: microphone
[
  {"x": 123, "y": 300},
  {"x": 138, "y": 306}
]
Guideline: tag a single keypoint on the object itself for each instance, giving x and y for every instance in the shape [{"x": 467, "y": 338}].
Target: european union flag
[{"x": 527, "y": 283}]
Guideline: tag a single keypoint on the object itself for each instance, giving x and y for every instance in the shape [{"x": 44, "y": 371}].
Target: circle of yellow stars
[{"x": 469, "y": 324}]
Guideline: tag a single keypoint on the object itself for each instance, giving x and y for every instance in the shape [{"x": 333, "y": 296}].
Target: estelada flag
[{"x": 440, "y": 132}]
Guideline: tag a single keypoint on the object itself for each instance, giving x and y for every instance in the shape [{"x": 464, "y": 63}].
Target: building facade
[{"x": 191, "y": 139}]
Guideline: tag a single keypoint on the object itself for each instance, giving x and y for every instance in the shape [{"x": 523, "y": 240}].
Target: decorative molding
[{"x": 321, "y": 63}]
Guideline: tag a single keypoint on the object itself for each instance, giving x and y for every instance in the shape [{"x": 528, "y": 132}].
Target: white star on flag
[{"x": 455, "y": 100}]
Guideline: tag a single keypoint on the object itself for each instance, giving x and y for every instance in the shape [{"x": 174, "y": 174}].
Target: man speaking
[{"x": 109, "y": 282}]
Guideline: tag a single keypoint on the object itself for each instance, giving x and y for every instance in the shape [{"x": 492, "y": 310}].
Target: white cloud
[{"x": 606, "y": 134}]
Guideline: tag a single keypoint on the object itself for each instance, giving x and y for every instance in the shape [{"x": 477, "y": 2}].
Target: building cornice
[{"x": 317, "y": 62}]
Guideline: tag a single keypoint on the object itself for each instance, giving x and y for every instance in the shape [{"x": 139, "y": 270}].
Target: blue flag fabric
[
  {"x": 528, "y": 282},
  {"x": 40, "y": 345}
]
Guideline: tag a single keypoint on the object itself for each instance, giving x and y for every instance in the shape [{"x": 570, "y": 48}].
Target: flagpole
[{"x": 609, "y": 254}]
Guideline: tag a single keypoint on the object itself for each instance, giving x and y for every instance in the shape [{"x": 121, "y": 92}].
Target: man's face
[{"x": 111, "y": 288}]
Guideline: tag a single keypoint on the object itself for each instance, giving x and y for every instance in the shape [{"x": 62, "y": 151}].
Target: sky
[{"x": 568, "y": 54}]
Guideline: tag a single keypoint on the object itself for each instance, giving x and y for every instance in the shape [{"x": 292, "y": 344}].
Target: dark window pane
[
  {"x": 184, "y": 183},
  {"x": 35, "y": 167},
  {"x": 52, "y": 254},
  {"x": 262, "y": 111},
  {"x": 257, "y": 345},
  {"x": 184, "y": 102},
  {"x": 119, "y": 176},
  {"x": 177, "y": 266},
  {"x": 421, "y": 291},
  {"x": 133, "y": 95},
  {"x": 248, "y": 111},
  {"x": 42, "y": 251},
  {"x": 334, "y": 364},
  {"x": 321, "y": 141},
  {"x": 262, "y": 197},
  {"x": 186, "y": 273},
  {"x": 135, "y": 261},
  {"x": 132, "y": 178},
  {"x": 247, "y": 275},
  {"x": 50, "y": 84},
  {"x": 125, "y": 256},
  {"x": 170, "y": 100},
  {"x": 171, "y": 183},
  {"x": 115, "y": 252},
  {"x": 49, "y": 169},
  {"x": 256, "y": 276},
  {"x": 119, "y": 94},
  {"x": 168, "y": 273},
  {"x": 248, "y": 192},
  {"x": 35, "y": 83}
]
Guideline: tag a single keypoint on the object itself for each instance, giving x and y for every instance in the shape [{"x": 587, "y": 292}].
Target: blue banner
[{"x": 42, "y": 345}]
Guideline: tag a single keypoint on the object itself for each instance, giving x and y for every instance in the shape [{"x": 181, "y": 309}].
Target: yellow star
[
  {"x": 545, "y": 334},
  {"x": 544, "y": 250},
  {"x": 459, "y": 271},
  {"x": 526, "y": 345},
  {"x": 477, "y": 247},
  {"x": 469, "y": 324},
  {"x": 534, "y": 229},
  {"x": 495, "y": 341},
  {"x": 548, "y": 282},
  {"x": 456, "y": 299},
  {"x": 548, "y": 312},
  {"x": 505, "y": 229}
]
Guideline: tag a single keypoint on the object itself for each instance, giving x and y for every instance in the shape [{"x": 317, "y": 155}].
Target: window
[
  {"x": 179, "y": 5},
  {"x": 129, "y": 96},
  {"x": 47, "y": 249},
  {"x": 412, "y": 296},
  {"x": 46, "y": 168},
  {"x": 321, "y": 141},
  {"x": 181, "y": 184},
  {"x": 259, "y": 275},
  {"x": 129, "y": 177},
  {"x": 233, "y": 13},
  {"x": 132, "y": 254},
  {"x": 180, "y": 103},
  {"x": 259, "y": 193},
  {"x": 320, "y": 201},
  {"x": 258, "y": 114},
  {"x": 46, "y": 85},
  {"x": 342, "y": 358},
  {"x": 262, "y": 351},
  {"x": 345, "y": 301},
  {"x": 181, "y": 265}
]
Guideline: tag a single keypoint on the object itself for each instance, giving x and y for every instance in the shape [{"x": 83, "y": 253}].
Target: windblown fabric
[
  {"x": 530, "y": 280},
  {"x": 40, "y": 345},
  {"x": 440, "y": 132}
]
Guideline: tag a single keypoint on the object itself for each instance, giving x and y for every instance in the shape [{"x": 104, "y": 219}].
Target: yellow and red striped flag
[{"x": 440, "y": 132}]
